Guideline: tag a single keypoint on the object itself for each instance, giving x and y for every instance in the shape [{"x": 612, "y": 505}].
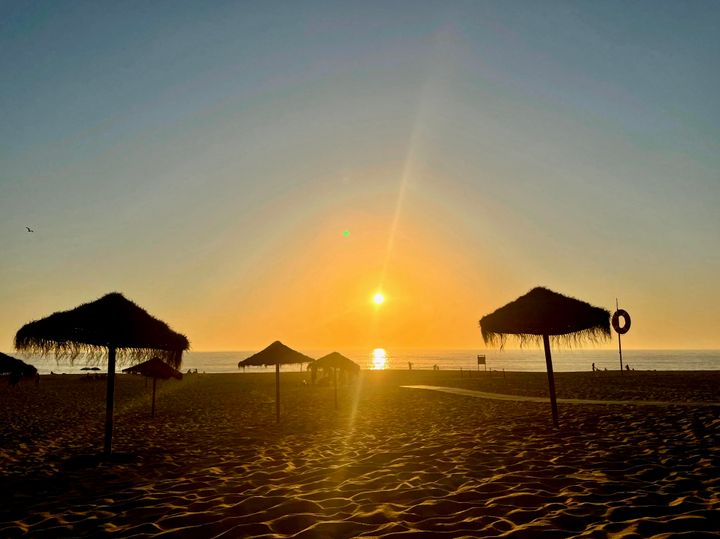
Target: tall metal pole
[
  {"x": 110, "y": 399},
  {"x": 619, "y": 340}
]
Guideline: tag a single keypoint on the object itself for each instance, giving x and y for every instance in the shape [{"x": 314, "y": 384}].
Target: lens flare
[{"x": 378, "y": 298}]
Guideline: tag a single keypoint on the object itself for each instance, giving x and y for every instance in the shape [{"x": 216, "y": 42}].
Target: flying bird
[{"x": 29, "y": 229}]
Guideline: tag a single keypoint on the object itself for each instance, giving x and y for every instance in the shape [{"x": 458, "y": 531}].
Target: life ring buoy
[{"x": 621, "y": 313}]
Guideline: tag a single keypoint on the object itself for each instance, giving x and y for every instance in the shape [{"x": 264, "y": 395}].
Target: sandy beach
[{"x": 390, "y": 462}]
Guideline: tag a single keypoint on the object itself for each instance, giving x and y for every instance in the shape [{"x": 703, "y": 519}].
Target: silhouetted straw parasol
[
  {"x": 10, "y": 365},
  {"x": 542, "y": 314},
  {"x": 276, "y": 354},
  {"x": 16, "y": 368},
  {"x": 154, "y": 368},
  {"x": 112, "y": 325},
  {"x": 336, "y": 362}
]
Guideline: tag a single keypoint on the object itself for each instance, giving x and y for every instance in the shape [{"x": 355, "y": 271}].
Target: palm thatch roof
[
  {"x": 154, "y": 368},
  {"x": 275, "y": 354},
  {"x": 544, "y": 312},
  {"x": 335, "y": 360},
  {"x": 11, "y": 365},
  {"x": 91, "y": 328}
]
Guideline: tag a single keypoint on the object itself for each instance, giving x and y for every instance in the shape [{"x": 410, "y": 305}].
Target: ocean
[{"x": 527, "y": 360}]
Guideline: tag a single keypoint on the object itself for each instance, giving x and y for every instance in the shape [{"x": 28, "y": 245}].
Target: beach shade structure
[
  {"x": 16, "y": 368},
  {"x": 112, "y": 326},
  {"x": 335, "y": 362},
  {"x": 276, "y": 354},
  {"x": 9, "y": 365},
  {"x": 542, "y": 314},
  {"x": 154, "y": 368}
]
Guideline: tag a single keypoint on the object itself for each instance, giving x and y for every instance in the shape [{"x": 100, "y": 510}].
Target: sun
[
  {"x": 379, "y": 359},
  {"x": 378, "y": 298}
]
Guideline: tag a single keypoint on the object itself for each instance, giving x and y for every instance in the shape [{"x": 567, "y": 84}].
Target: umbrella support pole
[
  {"x": 109, "y": 401},
  {"x": 551, "y": 380},
  {"x": 277, "y": 392},
  {"x": 152, "y": 414},
  {"x": 335, "y": 384}
]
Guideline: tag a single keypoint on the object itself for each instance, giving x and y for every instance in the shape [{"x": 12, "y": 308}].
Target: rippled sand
[{"x": 391, "y": 462}]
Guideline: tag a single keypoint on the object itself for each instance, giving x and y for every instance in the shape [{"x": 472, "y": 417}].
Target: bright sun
[{"x": 378, "y": 298}]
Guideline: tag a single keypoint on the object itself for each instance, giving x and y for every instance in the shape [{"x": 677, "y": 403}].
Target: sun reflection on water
[{"x": 379, "y": 359}]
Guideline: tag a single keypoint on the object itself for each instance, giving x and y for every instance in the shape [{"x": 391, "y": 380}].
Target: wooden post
[
  {"x": 277, "y": 392},
  {"x": 551, "y": 380},
  {"x": 110, "y": 399},
  {"x": 153, "y": 403},
  {"x": 335, "y": 384}
]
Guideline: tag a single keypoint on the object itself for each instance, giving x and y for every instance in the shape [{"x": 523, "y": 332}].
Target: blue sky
[{"x": 203, "y": 158}]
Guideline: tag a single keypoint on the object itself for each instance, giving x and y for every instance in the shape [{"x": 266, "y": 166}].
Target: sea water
[{"x": 528, "y": 360}]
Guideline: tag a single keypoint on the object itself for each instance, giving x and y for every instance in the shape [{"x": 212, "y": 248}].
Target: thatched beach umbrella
[
  {"x": 112, "y": 325},
  {"x": 336, "y": 362},
  {"x": 16, "y": 368},
  {"x": 154, "y": 368},
  {"x": 544, "y": 314},
  {"x": 10, "y": 365},
  {"x": 276, "y": 354}
]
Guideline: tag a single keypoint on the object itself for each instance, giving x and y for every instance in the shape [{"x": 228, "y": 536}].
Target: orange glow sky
[{"x": 207, "y": 160}]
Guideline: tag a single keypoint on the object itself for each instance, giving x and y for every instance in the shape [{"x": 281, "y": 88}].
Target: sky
[{"x": 254, "y": 171}]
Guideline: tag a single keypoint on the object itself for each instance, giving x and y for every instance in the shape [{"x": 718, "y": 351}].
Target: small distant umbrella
[
  {"x": 9, "y": 364},
  {"x": 154, "y": 368},
  {"x": 336, "y": 362},
  {"x": 542, "y": 314},
  {"x": 90, "y": 369},
  {"x": 16, "y": 368},
  {"x": 112, "y": 325},
  {"x": 276, "y": 354}
]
